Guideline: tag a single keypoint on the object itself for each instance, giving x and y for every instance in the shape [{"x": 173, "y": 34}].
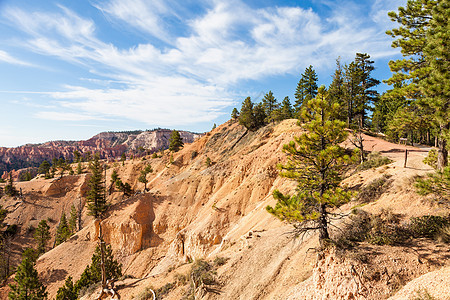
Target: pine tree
[
  {"x": 259, "y": 116},
  {"x": 143, "y": 177},
  {"x": 317, "y": 163},
  {"x": 286, "y": 109},
  {"x": 93, "y": 273},
  {"x": 367, "y": 96},
  {"x": 176, "y": 143},
  {"x": 76, "y": 156},
  {"x": 67, "y": 292},
  {"x": 42, "y": 236},
  {"x": 337, "y": 90},
  {"x": 269, "y": 104},
  {"x": 410, "y": 73},
  {"x": 73, "y": 219},
  {"x": 123, "y": 158},
  {"x": 435, "y": 86},
  {"x": 234, "y": 114},
  {"x": 63, "y": 231},
  {"x": 44, "y": 168},
  {"x": 246, "y": 117},
  {"x": 385, "y": 109},
  {"x": 79, "y": 168},
  {"x": 9, "y": 188},
  {"x": 27, "y": 285},
  {"x": 306, "y": 88},
  {"x": 352, "y": 87},
  {"x": 96, "y": 195}
]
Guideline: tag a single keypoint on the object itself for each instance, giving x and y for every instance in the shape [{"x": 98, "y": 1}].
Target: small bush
[
  {"x": 145, "y": 294},
  {"x": 428, "y": 226},
  {"x": 354, "y": 231},
  {"x": 374, "y": 160},
  {"x": 220, "y": 261},
  {"x": 423, "y": 295},
  {"x": 375, "y": 189},
  {"x": 164, "y": 290},
  {"x": 11, "y": 230},
  {"x": 385, "y": 229},
  {"x": 381, "y": 229},
  {"x": 181, "y": 279},
  {"x": 208, "y": 162},
  {"x": 444, "y": 235},
  {"x": 194, "y": 154},
  {"x": 431, "y": 158},
  {"x": 201, "y": 276}
]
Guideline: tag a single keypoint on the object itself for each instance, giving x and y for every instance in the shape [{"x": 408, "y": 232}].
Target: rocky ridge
[
  {"x": 108, "y": 144},
  {"x": 194, "y": 210}
]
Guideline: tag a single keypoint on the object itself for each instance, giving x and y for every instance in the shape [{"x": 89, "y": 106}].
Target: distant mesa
[{"x": 109, "y": 145}]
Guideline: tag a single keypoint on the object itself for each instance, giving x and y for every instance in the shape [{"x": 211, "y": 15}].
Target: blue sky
[{"x": 71, "y": 69}]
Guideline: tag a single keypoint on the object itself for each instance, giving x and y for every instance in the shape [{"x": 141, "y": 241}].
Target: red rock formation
[{"x": 108, "y": 144}]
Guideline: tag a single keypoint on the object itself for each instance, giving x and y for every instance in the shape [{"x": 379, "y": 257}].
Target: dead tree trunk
[{"x": 107, "y": 284}]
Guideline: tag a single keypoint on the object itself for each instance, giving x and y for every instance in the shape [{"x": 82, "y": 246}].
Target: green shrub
[
  {"x": 385, "y": 229},
  {"x": 437, "y": 183},
  {"x": 381, "y": 229},
  {"x": 427, "y": 226},
  {"x": 194, "y": 154},
  {"x": 375, "y": 189},
  {"x": 145, "y": 294},
  {"x": 202, "y": 277},
  {"x": 374, "y": 160},
  {"x": 354, "y": 231},
  {"x": 444, "y": 235},
  {"x": 220, "y": 261},
  {"x": 164, "y": 290},
  {"x": 431, "y": 158},
  {"x": 423, "y": 295}
]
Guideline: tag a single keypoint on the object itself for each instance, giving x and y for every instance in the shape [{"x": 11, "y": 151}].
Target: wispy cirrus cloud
[
  {"x": 7, "y": 58},
  {"x": 194, "y": 75}
]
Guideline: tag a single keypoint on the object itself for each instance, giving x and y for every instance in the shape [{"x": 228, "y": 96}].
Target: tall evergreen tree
[
  {"x": 411, "y": 73},
  {"x": 73, "y": 219},
  {"x": 259, "y": 116},
  {"x": 44, "y": 168},
  {"x": 42, "y": 236},
  {"x": 63, "y": 231},
  {"x": 286, "y": 109},
  {"x": 352, "y": 80},
  {"x": 337, "y": 90},
  {"x": 234, "y": 114},
  {"x": 436, "y": 86},
  {"x": 176, "y": 143},
  {"x": 246, "y": 117},
  {"x": 93, "y": 273},
  {"x": 28, "y": 286},
  {"x": 269, "y": 104},
  {"x": 67, "y": 292},
  {"x": 368, "y": 96},
  {"x": 386, "y": 108},
  {"x": 316, "y": 162},
  {"x": 306, "y": 88},
  {"x": 96, "y": 199}
]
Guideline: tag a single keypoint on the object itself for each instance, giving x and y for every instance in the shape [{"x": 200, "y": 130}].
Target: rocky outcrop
[
  {"x": 132, "y": 229},
  {"x": 108, "y": 144}
]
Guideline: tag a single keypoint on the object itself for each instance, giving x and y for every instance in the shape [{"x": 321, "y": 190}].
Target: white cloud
[
  {"x": 65, "y": 116},
  {"x": 191, "y": 81},
  {"x": 144, "y": 15},
  {"x": 6, "y": 57}
]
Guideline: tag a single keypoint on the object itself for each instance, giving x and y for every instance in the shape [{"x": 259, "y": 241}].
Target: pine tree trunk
[
  {"x": 442, "y": 148},
  {"x": 323, "y": 226}
]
